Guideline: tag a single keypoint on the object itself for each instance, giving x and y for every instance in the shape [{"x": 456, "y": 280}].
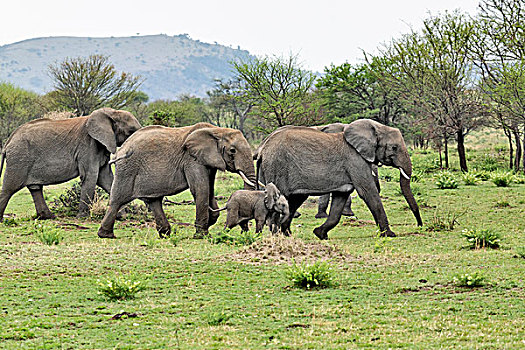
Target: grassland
[{"x": 387, "y": 293}]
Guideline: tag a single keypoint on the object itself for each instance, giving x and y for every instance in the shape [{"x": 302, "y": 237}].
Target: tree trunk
[
  {"x": 523, "y": 152},
  {"x": 511, "y": 148},
  {"x": 517, "y": 160},
  {"x": 446, "y": 152},
  {"x": 461, "y": 151}
]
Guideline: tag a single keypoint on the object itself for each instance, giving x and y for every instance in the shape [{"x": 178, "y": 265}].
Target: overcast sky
[{"x": 320, "y": 32}]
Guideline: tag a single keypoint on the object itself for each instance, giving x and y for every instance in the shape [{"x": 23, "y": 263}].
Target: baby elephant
[{"x": 267, "y": 206}]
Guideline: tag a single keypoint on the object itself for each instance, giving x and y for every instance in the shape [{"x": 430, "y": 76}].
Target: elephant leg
[
  {"x": 338, "y": 203},
  {"x": 108, "y": 222},
  {"x": 5, "y": 196},
  {"x": 294, "y": 202},
  {"x": 370, "y": 196},
  {"x": 259, "y": 224},
  {"x": 347, "y": 210},
  {"x": 212, "y": 216},
  {"x": 199, "y": 183},
  {"x": 88, "y": 179},
  {"x": 161, "y": 222},
  {"x": 42, "y": 210},
  {"x": 244, "y": 225},
  {"x": 105, "y": 178},
  {"x": 322, "y": 206}
]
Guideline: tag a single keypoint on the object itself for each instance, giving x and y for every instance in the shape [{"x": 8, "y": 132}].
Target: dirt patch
[{"x": 285, "y": 250}]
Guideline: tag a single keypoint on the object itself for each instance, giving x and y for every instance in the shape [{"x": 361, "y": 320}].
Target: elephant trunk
[
  {"x": 284, "y": 216},
  {"x": 404, "y": 182},
  {"x": 246, "y": 170}
]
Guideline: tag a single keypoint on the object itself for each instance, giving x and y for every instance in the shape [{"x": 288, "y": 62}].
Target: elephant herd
[{"x": 156, "y": 161}]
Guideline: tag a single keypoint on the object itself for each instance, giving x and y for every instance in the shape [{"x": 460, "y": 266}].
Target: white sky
[{"x": 320, "y": 32}]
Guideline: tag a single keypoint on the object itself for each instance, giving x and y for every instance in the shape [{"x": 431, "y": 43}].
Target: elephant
[
  {"x": 324, "y": 200},
  {"x": 159, "y": 161},
  {"x": 302, "y": 161},
  {"x": 45, "y": 152},
  {"x": 267, "y": 206}
]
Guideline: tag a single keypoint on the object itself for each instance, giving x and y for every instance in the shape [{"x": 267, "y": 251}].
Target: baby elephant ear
[
  {"x": 203, "y": 145},
  {"x": 362, "y": 135},
  {"x": 100, "y": 127},
  {"x": 272, "y": 195}
]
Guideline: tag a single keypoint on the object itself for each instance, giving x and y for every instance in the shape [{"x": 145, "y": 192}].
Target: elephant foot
[
  {"x": 164, "y": 232},
  {"x": 387, "y": 233},
  {"x": 105, "y": 233},
  {"x": 320, "y": 233},
  {"x": 321, "y": 215},
  {"x": 200, "y": 234},
  {"x": 45, "y": 216},
  {"x": 347, "y": 212}
]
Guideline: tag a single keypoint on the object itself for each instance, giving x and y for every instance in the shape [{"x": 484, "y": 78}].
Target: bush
[
  {"x": 484, "y": 238},
  {"x": 470, "y": 179},
  {"x": 119, "y": 288},
  {"x": 442, "y": 221},
  {"x": 317, "y": 275},
  {"x": 235, "y": 237},
  {"x": 46, "y": 235},
  {"x": 469, "y": 280},
  {"x": 482, "y": 175},
  {"x": 67, "y": 203},
  {"x": 502, "y": 179},
  {"x": 446, "y": 180}
]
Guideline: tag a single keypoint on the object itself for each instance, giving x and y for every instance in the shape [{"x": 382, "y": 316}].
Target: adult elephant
[
  {"x": 159, "y": 161},
  {"x": 45, "y": 152},
  {"x": 302, "y": 161},
  {"x": 324, "y": 200}
]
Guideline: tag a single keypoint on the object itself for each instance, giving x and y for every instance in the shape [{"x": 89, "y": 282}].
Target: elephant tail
[
  {"x": 125, "y": 156},
  {"x": 218, "y": 210},
  {"x": 2, "y": 161}
]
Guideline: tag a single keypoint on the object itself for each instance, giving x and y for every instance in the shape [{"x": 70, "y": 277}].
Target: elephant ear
[
  {"x": 100, "y": 127},
  {"x": 203, "y": 145},
  {"x": 272, "y": 195},
  {"x": 362, "y": 135}
]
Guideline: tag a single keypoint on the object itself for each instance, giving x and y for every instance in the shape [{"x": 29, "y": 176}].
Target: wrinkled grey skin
[
  {"x": 267, "y": 206},
  {"x": 302, "y": 162},
  {"x": 158, "y": 161},
  {"x": 45, "y": 152},
  {"x": 324, "y": 200}
]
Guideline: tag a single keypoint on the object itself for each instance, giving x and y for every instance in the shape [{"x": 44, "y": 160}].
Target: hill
[{"x": 171, "y": 65}]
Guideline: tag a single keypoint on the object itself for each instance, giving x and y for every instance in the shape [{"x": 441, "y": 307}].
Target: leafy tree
[
  {"x": 85, "y": 84},
  {"x": 187, "y": 110},
  {"x": 279, "y": 89},
  {"x": 17, "y": 106},
  {"x": 432, "y": 72},
  {"x": 499, "y": 53},
  {"x": 351, "y": 92}
]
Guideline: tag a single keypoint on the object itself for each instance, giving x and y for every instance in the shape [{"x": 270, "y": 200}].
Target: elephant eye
[
  {"x": 233, "y": 150},
  {"x": 394, "y": 148}
]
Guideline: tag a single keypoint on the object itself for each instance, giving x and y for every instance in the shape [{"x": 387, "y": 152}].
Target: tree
[
  {"x": 17, "y": 106},
  {"x": 499, "y": 53},
  {"x": 351, "y": 92},
  {"x": 187, "y": 110},
  {"x": 432, "y": 72},
  {"x": 279, "y": 89},
  {"x": 85, "y": 84}
]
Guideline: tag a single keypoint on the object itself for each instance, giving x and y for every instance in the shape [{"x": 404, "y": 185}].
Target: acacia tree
[
  {"x": 432, "y": 72},
  {"x": 499, "y": 53},
  {"x": 85, "y": 84},
  {"x": 279, "y": 90}
]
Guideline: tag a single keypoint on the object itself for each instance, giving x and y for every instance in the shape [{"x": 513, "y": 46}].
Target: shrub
[
  {"x": 502, "y": 204},
  {"x": 10, "y": 222},
  {"x": 317, "y": 275},
  {"x": 482, "y": 175},
  {"x": 502, "y": 179},
  {"x": 119, "y": 288},
  {"x": 519, "y": 179},
  {"x": 484, "y": 238},
  {"x": 417, "y": 176},
  {"x": 235, "y": 237},
  {"x": 46, "y": 235},
  {"x": 470, "y": 179},
  {"x": 443, "y": 221},
  {"x": 445, "y": 179},
  {"x": 218, "y": 318},
  {"x": 67, "y": 203},
  {"x": 469, "y": 280}
]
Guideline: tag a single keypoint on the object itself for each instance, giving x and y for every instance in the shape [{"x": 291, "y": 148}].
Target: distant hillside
[{"x": 172, "y": 65}]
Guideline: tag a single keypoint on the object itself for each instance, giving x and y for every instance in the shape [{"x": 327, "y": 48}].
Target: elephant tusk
[
  {"x": 261, "y": 184},
  {"x": 404, "y": 174},
  {"x": 245, "y": 179}
]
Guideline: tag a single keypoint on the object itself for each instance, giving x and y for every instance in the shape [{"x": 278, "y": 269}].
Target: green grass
[{"x": 395, "y": 293}]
